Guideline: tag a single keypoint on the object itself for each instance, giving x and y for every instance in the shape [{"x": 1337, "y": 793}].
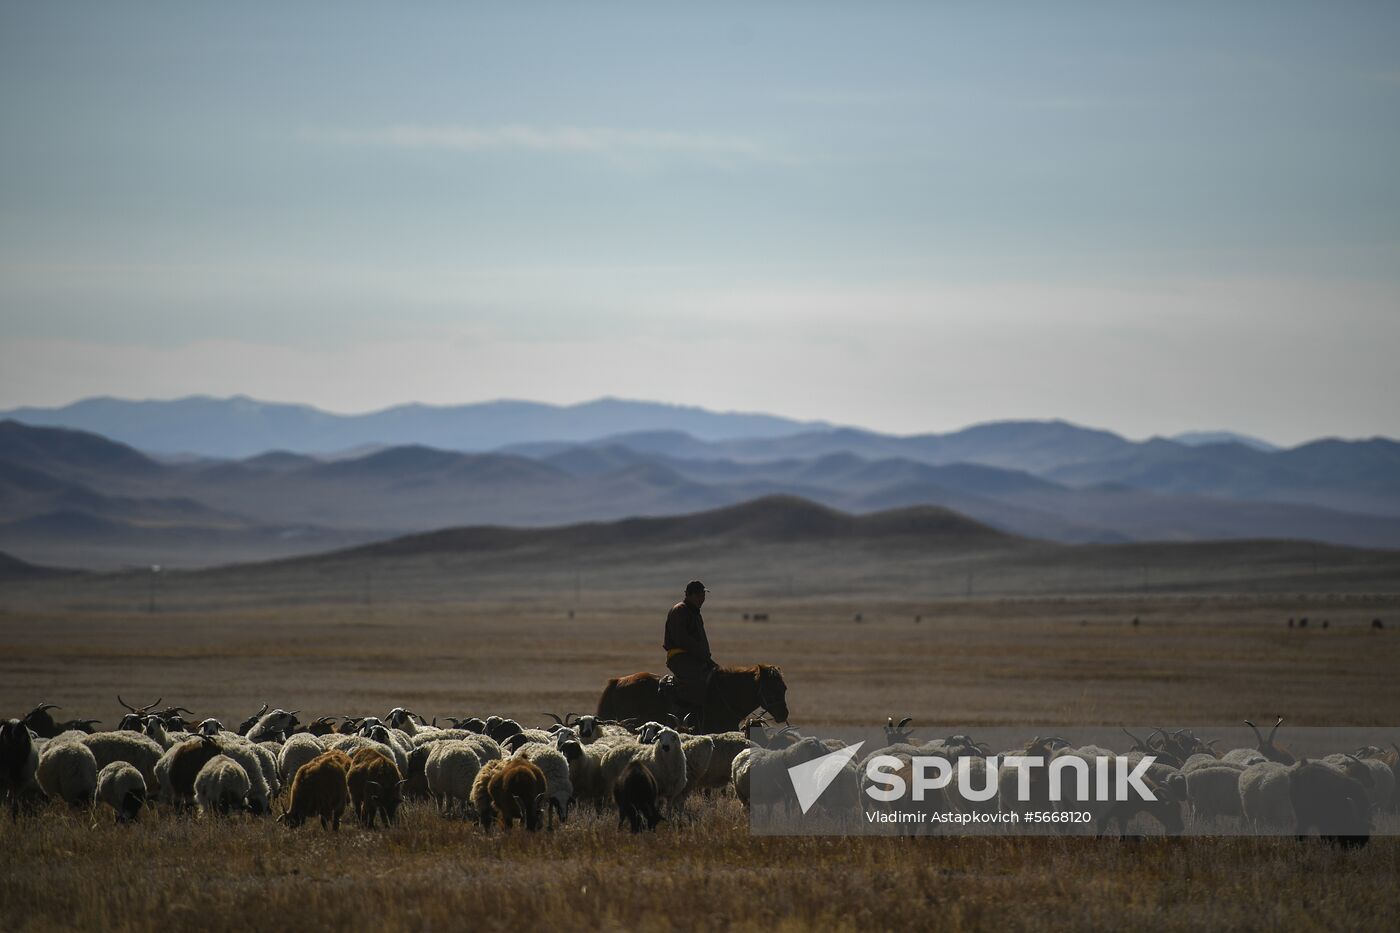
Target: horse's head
[{"x": 772, "y": 691}]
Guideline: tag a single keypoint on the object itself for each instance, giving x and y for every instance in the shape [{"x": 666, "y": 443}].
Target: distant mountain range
[
  {"x": 242, "y": 427},
  {"x": 71, "y": 498}
]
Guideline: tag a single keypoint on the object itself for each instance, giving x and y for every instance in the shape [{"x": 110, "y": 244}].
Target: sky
[{"x": 909, "y": 217}]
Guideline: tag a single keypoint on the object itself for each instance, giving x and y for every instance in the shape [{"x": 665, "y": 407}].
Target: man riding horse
[
  {"x": 699, "y": 693},
  {"x": 688, "y": 652}
]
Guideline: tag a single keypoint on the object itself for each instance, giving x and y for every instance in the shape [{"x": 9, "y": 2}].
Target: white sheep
[
  {"x": 245, "y": 753},
  {"x": 1381, "y": 785},
  {"x": 726, "y": 746},
  {"x": 273, "y": 725},
  {"x": 450, "y": 771},
  {"x": 1264, "y": 796},
  {"x": 134, "y": 748},
  {"x": 68, "y": 770},
  {"x": 1214, "y": 792},
  {"x": 297, "y": 751},
  {"x": 664, "y": 758},
  {"x": 221, "y": 785},
  {"x": 121, "y": 787},
  {"x": 559, "y": 788}
]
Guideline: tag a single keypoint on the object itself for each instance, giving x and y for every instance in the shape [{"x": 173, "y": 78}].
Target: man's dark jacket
[{"x": 688, "y": 651}]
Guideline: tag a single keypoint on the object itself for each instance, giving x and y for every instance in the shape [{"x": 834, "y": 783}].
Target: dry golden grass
[
  {"x": 68, "y": 869},
  {"x": 1194, "y": 660}
]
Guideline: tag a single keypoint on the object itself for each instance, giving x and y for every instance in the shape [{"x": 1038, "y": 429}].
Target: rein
[{"x": 762, "y": 701}]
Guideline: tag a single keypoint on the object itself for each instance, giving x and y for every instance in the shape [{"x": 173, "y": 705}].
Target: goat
[
  {"x": 375, "y": 786},
  {"x": 320, "y": 788},
  {"x": 19, "y": 761},
  {"x": 1268, "y": 748}
]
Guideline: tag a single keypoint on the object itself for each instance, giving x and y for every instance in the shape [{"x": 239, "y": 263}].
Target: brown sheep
[
  {"x": 320, "y": 788},
  {"x": 186, "y": 762},
  {"x": 514, "y": 788},
  {"x": 375, "y": 786}
]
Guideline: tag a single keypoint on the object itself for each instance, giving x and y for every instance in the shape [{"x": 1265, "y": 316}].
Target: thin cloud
[{"x": 569, "y": 140}]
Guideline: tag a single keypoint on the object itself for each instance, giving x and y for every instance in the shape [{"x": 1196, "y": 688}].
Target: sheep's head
[
  {"x": 209, "y": 727},
  {"x": 131, "y": 722},
  {"x": 648, "y": 732},
  {"x": 379, "y": 733},
  {"x": 155, "y": 728},
  {"x": 668, "y": 741},
  {"x": 399, "y": 717},
  {"x": 587, "y": 727}
]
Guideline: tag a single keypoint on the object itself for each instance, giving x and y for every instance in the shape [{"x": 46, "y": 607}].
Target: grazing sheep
[
  {"x": 769, "y": 765},
  {"x": 635, "y": 796},
  {"x": 19, "y": 762},
  {"x": 1264, "y": 796},
  {"x": 121, "y": 787},
  {"x": 698, "y": 750},
  {"x": 450, "y": 773},
  {"x": 1166, "y": 810},
  {"x": 1330, "y": 802},
  {"x": 375, "y": 785},
  {"x": 180, "y": 765},
  {"x": 559, "y": 789},
  {"x": 68, "y": 771},
  {"x": 320, "y": 788},
  {"x": 221, "y": 785},
  {"x": 1373, "y": 774},
  {"x": 1240, "y": 758},
  {"x": 247, "y": 755},
  {"x": 131, "y": 747},
  {"x": 726, "y": 746},
  {"x": 664, "y": 757},
  {"x": 514, "y": 788},
  {"x": 297, "y": 751},
  {"x": 1214, "y": 792}
]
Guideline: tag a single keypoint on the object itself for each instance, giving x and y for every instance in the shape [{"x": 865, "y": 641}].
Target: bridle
[{"x": 763, "y": 702}]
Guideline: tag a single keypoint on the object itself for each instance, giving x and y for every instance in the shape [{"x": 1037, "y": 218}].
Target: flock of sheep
[
  {"x": 495, "y": 769},
  {"x": 1259, "y": 789},
  {"x": 491, "y": 769}
]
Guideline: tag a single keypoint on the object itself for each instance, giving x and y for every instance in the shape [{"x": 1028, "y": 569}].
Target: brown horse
[{"x": 733, "y": 693}]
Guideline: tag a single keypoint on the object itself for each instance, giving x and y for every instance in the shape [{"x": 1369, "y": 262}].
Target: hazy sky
[{"x": 904, "y": 216}]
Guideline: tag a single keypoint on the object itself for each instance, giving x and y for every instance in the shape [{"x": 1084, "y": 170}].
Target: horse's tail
[{"x": 606, "y": 701}]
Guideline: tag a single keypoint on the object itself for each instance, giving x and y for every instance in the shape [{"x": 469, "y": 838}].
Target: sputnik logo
[{"x": 809, "y": 780}]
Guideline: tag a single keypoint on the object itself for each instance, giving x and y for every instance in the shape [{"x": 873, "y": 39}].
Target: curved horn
[
  {"x": 1137, "y": 741},
  {"x": 129, "y": 707},
  {"x": 905, "y": 721},
  {"x": 1275, "y": 729},
  {"x": 1258, "y": 739},
  {"x": 555, "y": 717},
  {"x": 147, "y": 709},
  {"x": 181, "y": 709},
  {"x": 569, "y": 718}
]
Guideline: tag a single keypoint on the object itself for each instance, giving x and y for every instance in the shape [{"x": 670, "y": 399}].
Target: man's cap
[{"x": 695, "y": 586}]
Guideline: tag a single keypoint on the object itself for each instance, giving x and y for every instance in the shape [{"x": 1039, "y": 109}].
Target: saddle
[{"x": 669, "y": 692}]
